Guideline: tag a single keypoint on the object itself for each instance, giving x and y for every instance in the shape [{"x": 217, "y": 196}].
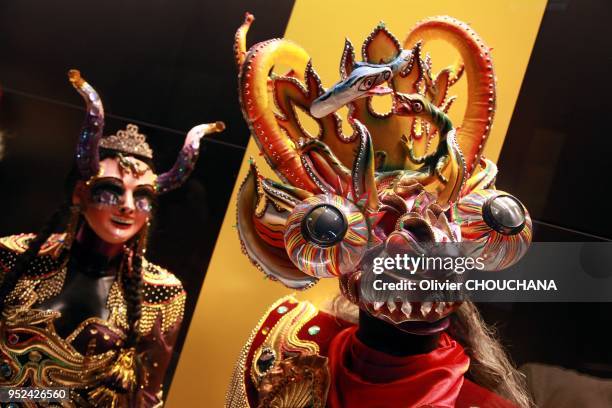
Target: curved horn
[
  {"x": 240, "y": 49},
  {"x": 87, "y": 155},
  {"x": 257, "y": 103},
  {"x": 476, "y": 125},
  {"x": 187, "y": 157}
]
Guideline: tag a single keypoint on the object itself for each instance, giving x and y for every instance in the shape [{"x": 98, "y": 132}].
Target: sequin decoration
[
  {"x": 314, "y": 245},
  {"x": 187, "y": 158},
  {"x": 128, "y": 141},
  {"x": 87, "y": 155},
  {"x": 163, "y": 296}
]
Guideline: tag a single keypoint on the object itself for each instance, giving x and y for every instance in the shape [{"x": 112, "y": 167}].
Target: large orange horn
[
  {"x": 476, "y": 56},
  {"x": 258, "y": 105}
]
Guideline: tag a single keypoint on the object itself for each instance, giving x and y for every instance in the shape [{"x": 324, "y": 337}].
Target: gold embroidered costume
[
  {"x": 33, "y": 354},
  {"x": 284, "y": 362}
]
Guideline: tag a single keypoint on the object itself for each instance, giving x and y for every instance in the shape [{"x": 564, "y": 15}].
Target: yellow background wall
[{"x": 235, "y": 294}]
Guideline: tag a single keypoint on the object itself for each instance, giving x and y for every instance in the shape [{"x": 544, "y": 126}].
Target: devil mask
[{"x": 403, "y": 180}]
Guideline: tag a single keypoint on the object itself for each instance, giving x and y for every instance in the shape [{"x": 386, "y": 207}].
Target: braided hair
[{"x": 132, "y": 282}]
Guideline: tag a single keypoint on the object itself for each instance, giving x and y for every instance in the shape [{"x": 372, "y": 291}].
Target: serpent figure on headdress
[{"x": 401, "y": 181}]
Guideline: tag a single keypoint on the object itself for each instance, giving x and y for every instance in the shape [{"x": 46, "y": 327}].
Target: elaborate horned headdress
[
  {"x": 402, "y": 179},
  {"x": 130, "y": 141}
]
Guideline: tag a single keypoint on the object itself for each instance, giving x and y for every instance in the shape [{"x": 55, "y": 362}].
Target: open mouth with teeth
[
  {"x": 412, "y": 224},
  {"x": 408, "y": 313},
  {"x": 121, "y": 222},
  {"x": 400, "y": 308},
  {"x": 422, "y": 318}
]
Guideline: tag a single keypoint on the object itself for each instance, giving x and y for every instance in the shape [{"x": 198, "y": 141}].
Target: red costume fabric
[{"x": 363, "y": 377}]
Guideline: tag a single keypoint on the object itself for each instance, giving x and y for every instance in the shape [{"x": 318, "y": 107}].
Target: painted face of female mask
[{"x": 117, "y": 202}]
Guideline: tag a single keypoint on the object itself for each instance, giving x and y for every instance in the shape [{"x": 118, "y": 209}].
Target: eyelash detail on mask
[
  {"x": 110, "y": 192},
  {"x": 107, "y": 192},
  {"x": 144, "y": 200}
]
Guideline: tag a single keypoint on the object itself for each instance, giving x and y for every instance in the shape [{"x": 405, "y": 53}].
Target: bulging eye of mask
[
  {"x": 326, "y": 236},
  {"x": 324, "y": 225}
]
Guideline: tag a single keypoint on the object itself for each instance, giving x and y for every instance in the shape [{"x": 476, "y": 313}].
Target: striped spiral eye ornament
[
  {"x": 495, "y": 226},
  {"x": 326, "y": 236}
]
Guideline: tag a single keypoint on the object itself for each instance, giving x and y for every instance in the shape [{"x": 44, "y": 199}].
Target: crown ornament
[{"x": 128, "y": 141}]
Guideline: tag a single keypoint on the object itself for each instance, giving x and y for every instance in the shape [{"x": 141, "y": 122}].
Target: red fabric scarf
[{"x": 362, "y": 377}]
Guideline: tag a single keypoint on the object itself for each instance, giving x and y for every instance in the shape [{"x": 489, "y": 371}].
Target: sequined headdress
[
  {"x": 129, "y": 141},
  {"x": 401, "y": 180}
]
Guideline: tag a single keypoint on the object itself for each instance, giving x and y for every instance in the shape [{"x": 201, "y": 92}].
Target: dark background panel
[
  {"x": 165, "y": 62},
  {"x": 163, "y": 65},
  {"x": 556, "y": 156},
  {"x": 556, "y": 159},
  {"x": 571, "y": 335}
]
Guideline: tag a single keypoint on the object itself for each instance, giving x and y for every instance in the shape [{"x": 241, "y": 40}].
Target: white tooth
[
  {"x": 391, "y": 305},
  {"x": 440, "y": 308},
  {"x": 406, "y": 308},
  {"x": 426, "y": 308},
  {"x": 378, "y": 305}
]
